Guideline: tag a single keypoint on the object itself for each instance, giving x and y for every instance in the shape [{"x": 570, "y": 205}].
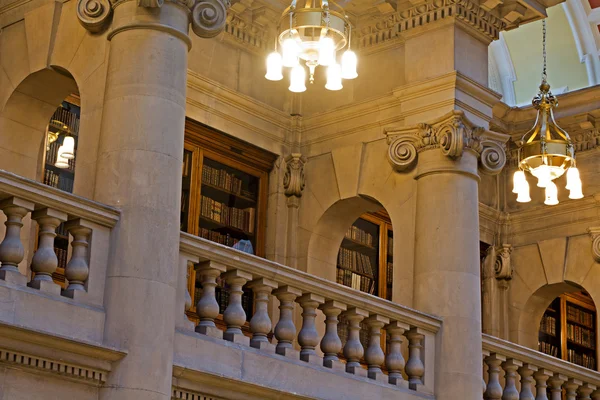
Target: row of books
[
  {"x": 390, "y": 246},
  {"x": 52, "y": 154},
  {"x": 548, "y": 348},
  {"x": 53, "y": 179},
  {"x": 61, "y": 254},
  {"x": 581, "y": 336},
  {"x": 389, "y": 274},
  {"x": 355, "y": 261},
  {"x": 218, "y": 237},
  {"x": 65, "y": 120},
  {"x": 243, "y": 219},
  {"x": 548, "y": 325},
  {"x": 221, "y": 179},
  {"x": 359, "y": 235},
  {"x": 580, "y": 316},
  {"x": 581, "y": 359},
  {"x": 355, "y": 281}
]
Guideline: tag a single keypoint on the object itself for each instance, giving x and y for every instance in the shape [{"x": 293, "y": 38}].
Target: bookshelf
[
  {"x": 223, "y": 199},
  {"x": 64, "y": 122},
  {"x": 365, "y": 262},
  {"x": 568, "y": 330}
]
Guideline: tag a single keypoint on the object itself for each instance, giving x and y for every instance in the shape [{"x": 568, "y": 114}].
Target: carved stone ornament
[
  {"x": 208, "y": 17},
  {"x": 452, "y": 134},
  {"x": 595, "y": 235},
  {"x": 294, "y": 180},
  {"x": 503, "y": 268}
]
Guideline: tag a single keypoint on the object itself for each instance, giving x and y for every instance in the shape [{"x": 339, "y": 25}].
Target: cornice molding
[{"x": 184, "y": 394}]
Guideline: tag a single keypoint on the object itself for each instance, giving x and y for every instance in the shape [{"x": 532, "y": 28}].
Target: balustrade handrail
[
  {"x": 526, "y": 355},
  {"x": 47, "y": 196},
  {"x": 257, "y": 266}
]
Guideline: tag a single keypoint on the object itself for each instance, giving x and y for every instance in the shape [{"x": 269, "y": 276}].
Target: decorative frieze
[
  {"x": 452, "y": 134},
  {"x": 294, "y": 179}
]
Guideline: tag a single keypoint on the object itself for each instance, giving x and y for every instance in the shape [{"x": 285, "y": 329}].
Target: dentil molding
[
  {"x": 207, "y": 17},
  {"x": 452, "y": 134}
]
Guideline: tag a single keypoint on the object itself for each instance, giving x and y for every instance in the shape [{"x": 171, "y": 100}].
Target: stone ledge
[{"x": 240, "y": 372}]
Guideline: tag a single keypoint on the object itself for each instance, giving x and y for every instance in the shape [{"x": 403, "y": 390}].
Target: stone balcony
[{"x": 294, "y": 350}]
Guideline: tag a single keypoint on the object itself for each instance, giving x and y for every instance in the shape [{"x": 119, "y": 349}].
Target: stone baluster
[
  {"x": 585, "y": 391},
  {"x": 541, "y": 383},
  {"x": 571, "y": 387},
  {"x": 526, "y": 372},
  {"x": 414, "y": 367},
  {"x": 44, "y": 260},
  {"x": 331, "y": 344},
  {"x": 394, "y": 361},
  {"x": 493, "y": 390},
  {"x": 353, "y": 350},
  {"x": 78, "y": 270},
  {"x": 260, "y": 324},
  {"x": 556, "y": 382},
  {"x": 11, "y": 248},
  {"x": 510, "y": 377},
  {"x": 484, "y": 355},
  {"x": 234, "y": 315},
  {"x": 374, "y": 355},
  {"x": 207, "y": 307},
  {"x": 285, "y": 330},
  {"x": 308, "y": 338},
  {"x": 595, "y": 395}
]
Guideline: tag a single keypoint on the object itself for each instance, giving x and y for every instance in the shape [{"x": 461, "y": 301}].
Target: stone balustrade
[
  {"x": 309, "y": 310},
  {"x": 516, "y": 372},
  {"x": 33, "y": 212}
]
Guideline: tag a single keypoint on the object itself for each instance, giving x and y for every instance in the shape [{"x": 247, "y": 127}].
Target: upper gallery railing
[
  {"x": 311, "y": 293},
  {"x": 87, "y": 223},
  {"x": 539, "y": 373}
]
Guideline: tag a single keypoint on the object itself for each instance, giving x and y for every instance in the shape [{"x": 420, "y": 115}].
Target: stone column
[
  {"x": 446, "y": 270},
  {"x": 139, "y": 171}
]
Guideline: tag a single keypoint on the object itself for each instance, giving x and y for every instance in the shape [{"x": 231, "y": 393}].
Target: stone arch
[
  {"x": 542, "y": 272},
  {"x": 343, "y": 184},
  {"x": 45, "y": 57}
]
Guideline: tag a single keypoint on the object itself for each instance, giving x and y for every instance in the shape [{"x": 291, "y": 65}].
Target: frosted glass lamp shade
[
  {"x": 523, "y": 194},
  {"x": 518, "y": 179},
  {"x": 68, "y": 148},
  {"x": 349, "y": 65},
  {"x": 326, "y": 52},
  {"x": 61, "y": 162},
  {"x": 274, "y": 64},
  {"x": 334, "y": 77},
  {"x": 575, "y": 192},
  {"x": 290, "y": 50},
  {"x": 551, "y": 194},
  {"x": 297, "y": 79},
  {"x": 573, "y": 178}
]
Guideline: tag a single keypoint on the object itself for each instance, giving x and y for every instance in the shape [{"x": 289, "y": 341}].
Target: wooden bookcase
[
  {"x": 223, "y": 198},
  {"x": 568, "y": 330},
  {"x": 365, "y": 262},
  {"x": 64, "y": 122}
]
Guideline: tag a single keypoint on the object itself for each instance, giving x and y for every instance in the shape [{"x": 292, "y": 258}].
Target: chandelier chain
[{"x": 544, "y": 75}]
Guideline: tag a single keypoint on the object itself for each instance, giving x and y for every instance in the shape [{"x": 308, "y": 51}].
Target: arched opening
[{"x": 25, "y": 117}]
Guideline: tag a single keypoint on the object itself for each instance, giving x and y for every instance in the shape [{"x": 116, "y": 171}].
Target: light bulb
[
  {"x": 349, "y": 65},
  {"x": 290, "y": 50},
  {"x": 518, "y": 179},
  {"x": 61, "y": 162},
  {"x": 334, "y": 77},
  {"x": 573, "y": 178},
  {"x": 274, "y": 65},
  {"x": 523, "y": 194},
  {"x": 326, "y": 51},
  {"x": 297, "y": 79},
  {"x": 551, "y": 194},
  {"x": 575, "y": 191},
  {"x": 68, "y": 148},
  {"x": 543, "y": 174}
]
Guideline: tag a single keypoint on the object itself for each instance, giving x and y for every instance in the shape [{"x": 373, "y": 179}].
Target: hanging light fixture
[
  {"x": 61, "y": 162},
  {"x": 546, "y": 151},
  {"x": 67, "y": 148},
  {"x": 313, "y": 33}
]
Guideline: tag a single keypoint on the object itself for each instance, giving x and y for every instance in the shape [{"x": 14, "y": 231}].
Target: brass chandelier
[
  {"x": 546, "y": 151},
  {"x": 314, "y": 33}
]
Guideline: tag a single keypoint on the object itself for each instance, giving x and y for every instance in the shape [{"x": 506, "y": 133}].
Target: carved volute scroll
[
  {"x": 503, "y": 268},
  {"x": 595, "y": 236},
  {"x": 452, "y": 134},
  {"x": 294, "y": 180},
  {"x": 94, "y": 15}
]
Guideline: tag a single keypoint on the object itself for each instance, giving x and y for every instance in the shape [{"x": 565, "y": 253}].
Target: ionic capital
[
  {"x": 452, "y": 134},
  {"x": 594, "y": 233}
]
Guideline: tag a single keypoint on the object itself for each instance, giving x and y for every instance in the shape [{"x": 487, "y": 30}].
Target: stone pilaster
[
  {"x": 293, "y": 184},
  {"x": 139, "y": 171},
  {"x": 448, "y": 154}
]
